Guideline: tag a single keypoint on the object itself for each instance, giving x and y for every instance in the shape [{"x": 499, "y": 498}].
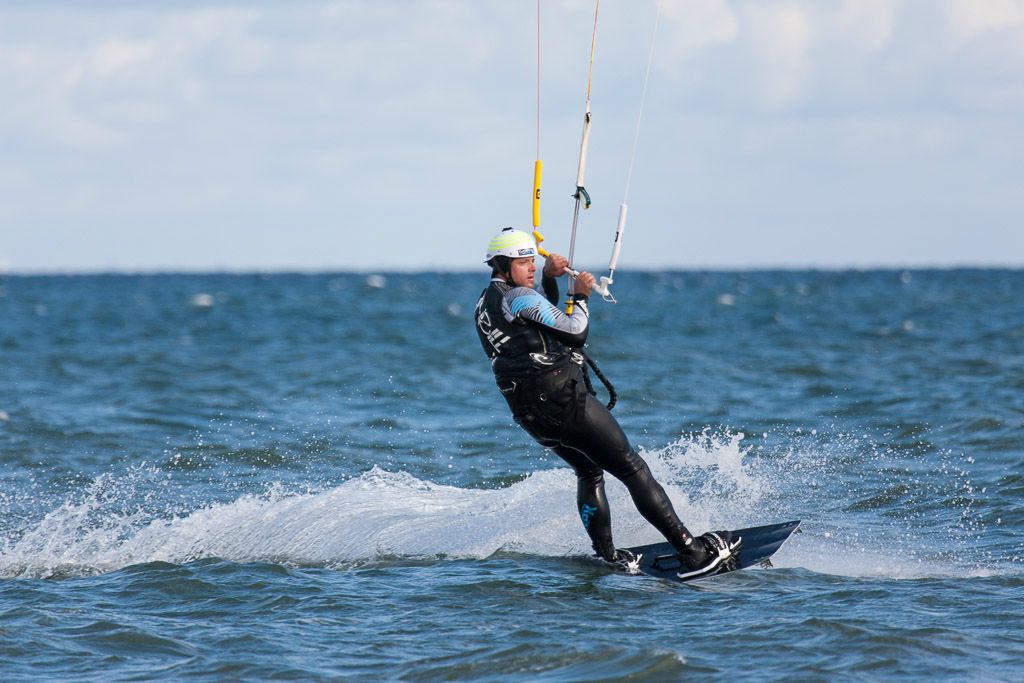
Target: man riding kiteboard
[{"x": 536, "y": 354}]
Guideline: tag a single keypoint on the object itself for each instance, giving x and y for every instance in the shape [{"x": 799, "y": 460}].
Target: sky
[{"x": 400, "y": 134}]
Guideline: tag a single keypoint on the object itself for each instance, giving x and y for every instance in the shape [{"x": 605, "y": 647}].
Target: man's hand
[
  {"x": 584, "y": 283},
  {"x": 555, "y": 265}
]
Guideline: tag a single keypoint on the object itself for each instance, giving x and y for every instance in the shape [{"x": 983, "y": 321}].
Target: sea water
[{"x": 313, "y": 477}]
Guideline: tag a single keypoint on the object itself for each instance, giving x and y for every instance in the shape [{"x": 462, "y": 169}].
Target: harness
[{"x": 542, "y": 380}]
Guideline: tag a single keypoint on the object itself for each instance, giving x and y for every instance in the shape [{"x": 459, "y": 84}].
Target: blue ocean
[{"x": 313, "y": 477}]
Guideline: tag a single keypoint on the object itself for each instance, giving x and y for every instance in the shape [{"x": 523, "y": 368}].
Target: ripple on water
[{"x": 339, "y": 491}]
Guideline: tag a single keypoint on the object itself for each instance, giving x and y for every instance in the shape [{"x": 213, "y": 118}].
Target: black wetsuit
[{"x": 532, "y": 346}]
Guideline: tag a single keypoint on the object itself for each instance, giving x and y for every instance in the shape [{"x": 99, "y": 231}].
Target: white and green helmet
[{"x": 512, "y": 243}]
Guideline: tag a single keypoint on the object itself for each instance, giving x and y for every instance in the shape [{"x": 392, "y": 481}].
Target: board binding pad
[{"x": 759, "y": 544}]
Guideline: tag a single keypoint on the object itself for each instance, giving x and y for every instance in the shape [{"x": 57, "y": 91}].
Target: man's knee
[
  {"x": 590, "y": 478},
  {"x": 630, "y": 467}
]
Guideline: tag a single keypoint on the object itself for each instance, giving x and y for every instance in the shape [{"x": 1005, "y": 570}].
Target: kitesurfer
[{"x": 536, "y": 354}]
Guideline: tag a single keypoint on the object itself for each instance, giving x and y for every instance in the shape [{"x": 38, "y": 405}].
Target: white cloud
[
  {"x": 221, "y": 115},
  {"x": 968, "y": 19},
  {"x": 780, "y": 36},
  {"x": 695, "y": 25},
  {"x": 771, "y": 55},
  {"x": 865, "y": 26},
  {"x": 121, "y": 57}
]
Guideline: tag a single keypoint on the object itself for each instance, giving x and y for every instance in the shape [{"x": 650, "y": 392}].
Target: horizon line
[{"x": 415, "y": 270}]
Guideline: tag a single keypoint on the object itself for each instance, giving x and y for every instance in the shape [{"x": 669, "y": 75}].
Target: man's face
[{"x": 522, "y": 271}]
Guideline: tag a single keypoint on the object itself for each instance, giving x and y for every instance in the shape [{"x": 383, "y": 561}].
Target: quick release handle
[{"x": 538, "y": 167}]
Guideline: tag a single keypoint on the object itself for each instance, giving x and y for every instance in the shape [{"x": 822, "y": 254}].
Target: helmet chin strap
[{"x": 504, "y": 273}]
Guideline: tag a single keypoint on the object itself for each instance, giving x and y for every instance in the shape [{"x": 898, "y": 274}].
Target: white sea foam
[
  {"x": 813, "y": 549},
  {"x": 382, "y": 514},
  {"x": 378, "y": 514},
  {"x": 202, "y": 300}
]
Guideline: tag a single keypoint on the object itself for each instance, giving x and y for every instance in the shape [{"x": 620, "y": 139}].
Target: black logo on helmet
[{"x": 526, "y": 252}]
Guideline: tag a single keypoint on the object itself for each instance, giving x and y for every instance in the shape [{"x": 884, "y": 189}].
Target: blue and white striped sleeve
[{"x": 530, "y": 305}]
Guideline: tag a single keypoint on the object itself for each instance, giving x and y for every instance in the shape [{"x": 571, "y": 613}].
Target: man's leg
[
  {"x": 596, "y": 433},
  {"x": 591, "y": 502}
]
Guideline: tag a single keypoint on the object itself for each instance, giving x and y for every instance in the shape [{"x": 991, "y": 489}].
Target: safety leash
[{"x": 613, "y": 396}]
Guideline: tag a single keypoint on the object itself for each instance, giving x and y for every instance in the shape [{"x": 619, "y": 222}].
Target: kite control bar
[{"x": 602, "y": 287}]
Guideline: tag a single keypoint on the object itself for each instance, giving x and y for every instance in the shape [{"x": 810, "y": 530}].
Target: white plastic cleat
[{"x": 602, "y": 289}]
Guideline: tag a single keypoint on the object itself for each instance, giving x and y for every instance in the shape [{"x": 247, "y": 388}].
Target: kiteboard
[{"x": 758, "y": 545}]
